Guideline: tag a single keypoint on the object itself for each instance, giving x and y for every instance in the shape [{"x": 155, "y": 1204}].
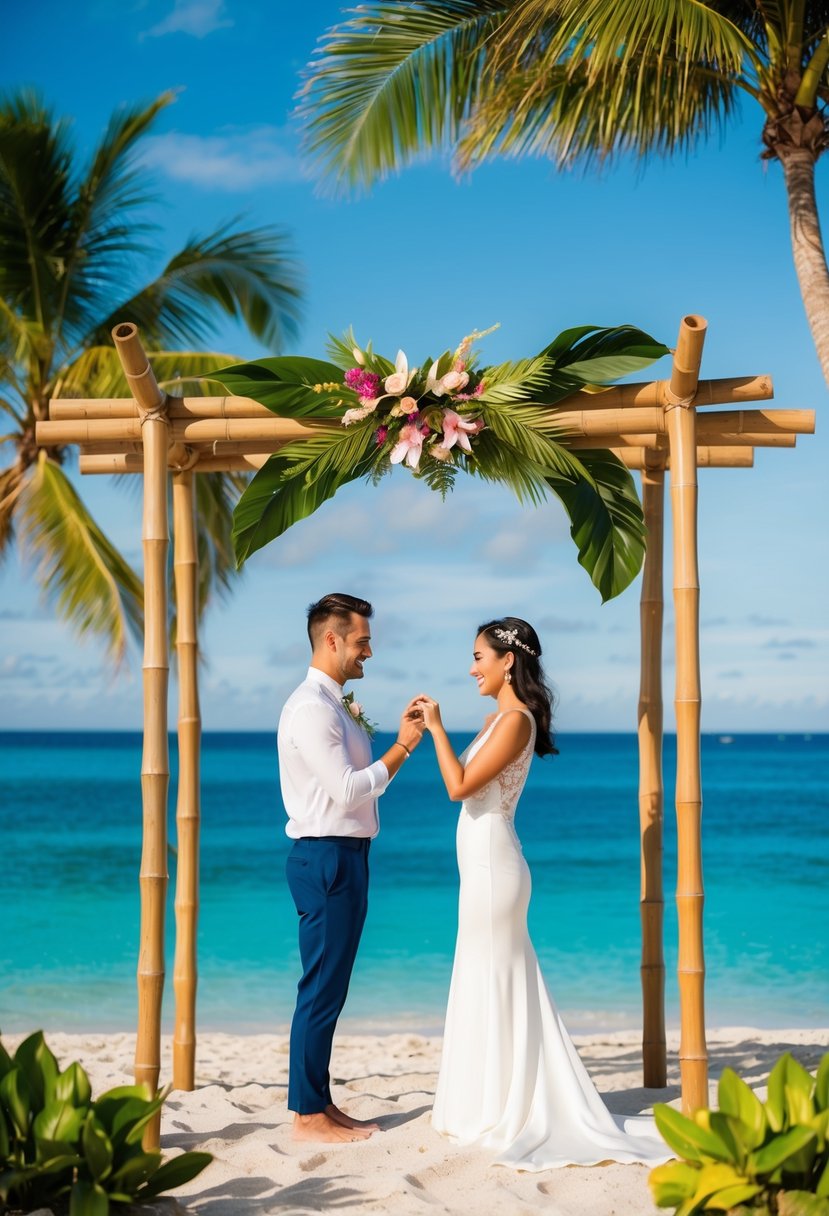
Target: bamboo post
[
  {"x": 155, "y": 764},
  {"x": 185, "y": 566},
  {"x": 651, "y": 792},
  {"x": 680, "y": 418}
]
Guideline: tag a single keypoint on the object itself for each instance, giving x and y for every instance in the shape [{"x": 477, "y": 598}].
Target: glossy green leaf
[
  {"x": 112, "y": 1104},
  {"x": 737, "y": 1099},
  {"x": 40, "y": 1066},
  {"x": 285, "y": 385},
  {"x": 174, "y": 1173},
  {"x": 822, "y": 1187},
  {"x": 776, "y": 1093},
  {"x": 6, "y": 1062},
  {"x": 88, "y": 1199},
  {"x": 775, "y": 1154},
  {"x": 799, "y": 1105},
  {"x": 97, "y": 1148},
  {"x": 15, "y": 1098},
  {"x": 278, "y": 496},
  {"x": 599, "y": 355},
  {"x": 822, "y": 1084},
  {"x": 133, "y": 1131},
  {"x": 606, "y": 521},
  {"x": 72, "y": 1085},
  {"x": 686, "y": 1137},
  {"x": 135, "y": 1172},
  {"x": 730, "y": 1197},
  {"x": 59, "y": 1121},
  {"x": 672, "y": 1183}
]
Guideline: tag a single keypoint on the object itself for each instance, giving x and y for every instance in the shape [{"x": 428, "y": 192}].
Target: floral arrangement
[
  {"x": 419, "y": 413},
  {"x": 442, "y": 417},
  {"x": 356, "y": 711}
]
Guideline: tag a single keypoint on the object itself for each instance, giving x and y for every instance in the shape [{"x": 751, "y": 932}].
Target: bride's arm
[{"x": 508, "y": 739}]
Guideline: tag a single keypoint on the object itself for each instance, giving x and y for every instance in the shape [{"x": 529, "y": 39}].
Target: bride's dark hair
[{"x": 511, "y": 635}]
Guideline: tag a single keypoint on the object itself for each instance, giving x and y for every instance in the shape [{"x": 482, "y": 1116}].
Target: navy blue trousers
[{"x": 328, "y": 879}]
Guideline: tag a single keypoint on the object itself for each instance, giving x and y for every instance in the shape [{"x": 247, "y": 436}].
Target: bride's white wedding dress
[{"x": 510, "y": 1078}]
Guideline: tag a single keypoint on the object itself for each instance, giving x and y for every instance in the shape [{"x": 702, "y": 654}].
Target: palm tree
[
  {"x": 578, "y": 80},
  {"x": 69, "y": 240}
]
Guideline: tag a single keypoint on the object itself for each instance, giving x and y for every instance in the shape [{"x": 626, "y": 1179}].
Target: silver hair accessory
[{"x": 510, "y": 638}]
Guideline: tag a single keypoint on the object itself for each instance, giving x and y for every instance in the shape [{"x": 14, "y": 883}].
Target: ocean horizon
[{"x": 71, "y": 824}]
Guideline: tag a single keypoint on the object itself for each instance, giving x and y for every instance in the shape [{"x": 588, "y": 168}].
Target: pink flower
[
  {"x": 409, "y": 445},
  {"x": 355, "y": 708},
  {"x": 456, "y": 430},
  {"x": 381, "y": 434},
  {"x": 365, "y": 384}
]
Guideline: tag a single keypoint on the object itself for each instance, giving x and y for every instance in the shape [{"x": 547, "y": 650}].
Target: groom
[{"x": 330, "y": 789}]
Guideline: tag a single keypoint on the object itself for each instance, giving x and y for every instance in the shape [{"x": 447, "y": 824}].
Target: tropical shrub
[
  {"x": 60, "y": 1148},
  {"x": 750, "y": 1157}
]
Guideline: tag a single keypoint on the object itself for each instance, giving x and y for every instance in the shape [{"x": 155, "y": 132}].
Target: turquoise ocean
[{"x": 70, "y": 818}]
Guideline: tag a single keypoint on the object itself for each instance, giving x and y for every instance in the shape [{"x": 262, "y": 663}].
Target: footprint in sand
[{"x": 313, "y": 1163}]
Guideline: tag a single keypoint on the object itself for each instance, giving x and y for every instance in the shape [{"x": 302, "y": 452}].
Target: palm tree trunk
[{"x": 807, "y": 244}]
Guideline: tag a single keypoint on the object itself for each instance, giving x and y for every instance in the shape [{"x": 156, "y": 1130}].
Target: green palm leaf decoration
[{"x": 444, "y": 417}]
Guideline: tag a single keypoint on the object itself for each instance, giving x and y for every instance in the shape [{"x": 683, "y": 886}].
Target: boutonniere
[{"x": 355, "y": 709}]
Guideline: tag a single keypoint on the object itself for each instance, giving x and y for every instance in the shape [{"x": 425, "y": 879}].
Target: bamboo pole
[
  {"x": 155, "y": 766},
  {"x": 129, "y": 462},
  {"x": 651, "y": 793},
  {"x": 705, "y": 438},
  {"x": 599, "y": 420},
  {"x": 707, "y": 458},
  {"x": 734, "y": 390},
  {"x": 185, "y": 567},
  {"x": 681, "y": 424}
]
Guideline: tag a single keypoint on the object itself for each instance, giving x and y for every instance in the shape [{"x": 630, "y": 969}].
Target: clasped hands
[{"x": 422, "y": 713}]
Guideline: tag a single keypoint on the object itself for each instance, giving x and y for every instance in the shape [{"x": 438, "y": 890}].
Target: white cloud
[
  {"x": 195, "y": 17},
  {"x": 235, "y": 160}
]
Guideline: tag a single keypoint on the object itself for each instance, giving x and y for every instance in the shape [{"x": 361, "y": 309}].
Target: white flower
[
  {"x": 399, "y": 380},
  {"x": 355, "y": 708},
  {"x": 448, "y": 383},
  {"x": 359, "y": 412},
  {"x": 359, "y": 357}
]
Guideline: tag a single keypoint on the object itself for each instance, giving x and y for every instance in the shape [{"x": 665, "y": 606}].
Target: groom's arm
[{"x": 319, "y": 737}]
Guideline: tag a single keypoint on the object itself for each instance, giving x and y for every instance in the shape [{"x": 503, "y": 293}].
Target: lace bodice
[{"x": 500, "y": 796}]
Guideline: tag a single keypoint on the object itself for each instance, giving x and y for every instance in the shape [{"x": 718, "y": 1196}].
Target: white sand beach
[{"x": 237, "y": 1112}]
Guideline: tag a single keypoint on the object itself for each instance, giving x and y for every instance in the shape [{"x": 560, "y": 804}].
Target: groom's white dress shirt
[{"x": 329, "y": 784}]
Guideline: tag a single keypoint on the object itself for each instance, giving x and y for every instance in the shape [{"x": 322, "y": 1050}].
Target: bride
[{"x": 510, "y": 1078}]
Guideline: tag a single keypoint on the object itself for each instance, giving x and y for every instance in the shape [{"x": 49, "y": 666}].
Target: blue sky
[{"x": 416, "y": 264}]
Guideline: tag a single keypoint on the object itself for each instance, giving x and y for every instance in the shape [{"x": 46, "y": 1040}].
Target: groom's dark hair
[{"x": 337, "y": 610}]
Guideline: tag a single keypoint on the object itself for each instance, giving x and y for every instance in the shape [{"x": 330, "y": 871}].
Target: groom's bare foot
[
  {"x": 321, "y": 1128},
  {"x": 344, "y": 1120}
]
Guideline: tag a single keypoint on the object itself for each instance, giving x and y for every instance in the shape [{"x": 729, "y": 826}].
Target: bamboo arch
[{"x": 652, "y": 427}]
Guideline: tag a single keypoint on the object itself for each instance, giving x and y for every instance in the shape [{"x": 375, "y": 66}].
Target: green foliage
[
  {"x": 60, "y": 1148},
  {"x": 74, "y": 236},
  {"x": 766, "y": 1159},
  {"x": 521, "y": 445}
]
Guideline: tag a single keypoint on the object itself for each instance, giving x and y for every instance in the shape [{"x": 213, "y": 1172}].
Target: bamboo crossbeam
[
  {"x": 657, "y": 443},
  {"x": 188, "y": 809},
  {"x": 733, "y": 390},
  {"x": 727, "y": 424},
  {"x": 155, "y": 765},
  {"x": 651, "y": 790},
  {"x": 707, "y": 458},
  {"x": 681, "y": 424},
  {"x": 133, "y": 462}
]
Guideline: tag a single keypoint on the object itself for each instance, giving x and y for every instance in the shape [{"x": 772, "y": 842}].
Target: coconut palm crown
[
  {"x": 577, "y": 81},
  {"x": 70, "y": 238}
]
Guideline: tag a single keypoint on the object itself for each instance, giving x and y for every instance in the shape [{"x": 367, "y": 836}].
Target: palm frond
[
  {"x": 78, "y": 568},
  {"x": 290, "y": 487},
  {"x": 35, "y": 204},
  {"x": 250, "y": 276},
  {"x": 97, "y": 372},
  {"x": 11, "y": 485},
  {"x": 514, "y": 381},
  {"x": 392, "y": 81},
  {"x": 529, "y": 433},
  {"x": 105, "y": 232}
]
